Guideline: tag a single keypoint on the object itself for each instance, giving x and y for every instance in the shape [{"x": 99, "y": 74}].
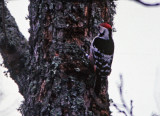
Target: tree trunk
[{"x": 52, "y": 70}]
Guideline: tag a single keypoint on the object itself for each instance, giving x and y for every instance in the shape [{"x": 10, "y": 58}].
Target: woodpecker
[{"x": 101, "y": 54}]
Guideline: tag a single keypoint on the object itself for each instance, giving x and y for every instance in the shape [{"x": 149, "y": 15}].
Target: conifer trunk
[{"x": 56, "y": 78}]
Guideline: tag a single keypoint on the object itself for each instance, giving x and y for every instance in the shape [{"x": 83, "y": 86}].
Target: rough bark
[
  {"x": 57, "y": 77},
  {"x": 13, "y": 48}
]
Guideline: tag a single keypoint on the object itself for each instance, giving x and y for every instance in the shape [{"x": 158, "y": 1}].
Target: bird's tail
[
  {"x": 100, "y": 81},
  {"x": 97, "y": 87}
]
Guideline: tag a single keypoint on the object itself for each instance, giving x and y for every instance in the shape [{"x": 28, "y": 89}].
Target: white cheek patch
[{"x": 102, "y": 29}]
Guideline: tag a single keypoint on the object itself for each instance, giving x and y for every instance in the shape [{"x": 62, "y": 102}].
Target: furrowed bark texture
[
  {"x": 59, "y": 77},
  {"x": 14, "y": 49}
]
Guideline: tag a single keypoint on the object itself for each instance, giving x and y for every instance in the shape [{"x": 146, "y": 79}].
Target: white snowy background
[{"x": 137, "y": 58}]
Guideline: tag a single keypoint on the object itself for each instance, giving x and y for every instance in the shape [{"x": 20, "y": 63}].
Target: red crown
[{"x": 106, "y": 25}]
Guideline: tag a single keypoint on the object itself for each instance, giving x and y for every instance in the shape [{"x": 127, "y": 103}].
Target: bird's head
[{"x": 105, "y": 31}]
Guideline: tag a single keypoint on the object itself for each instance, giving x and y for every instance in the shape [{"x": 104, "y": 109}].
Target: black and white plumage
[{"x": 101, "y": 53}]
